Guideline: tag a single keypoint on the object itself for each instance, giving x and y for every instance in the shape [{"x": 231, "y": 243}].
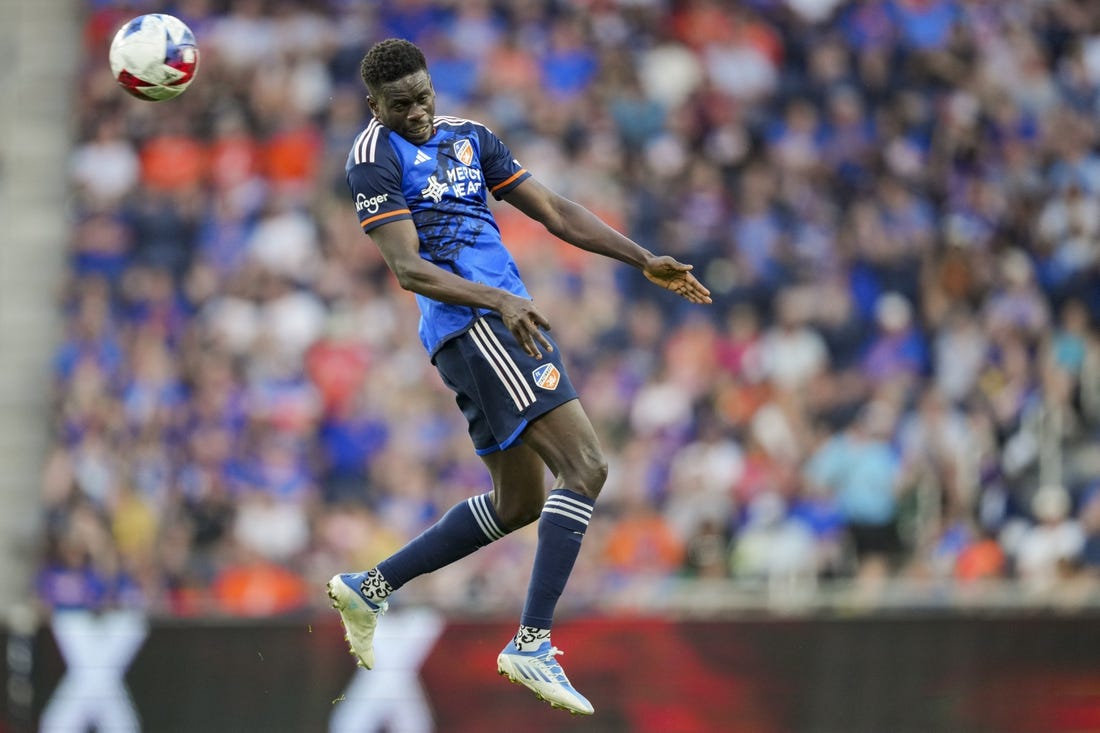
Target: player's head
[{"x": 399, "y": 89}]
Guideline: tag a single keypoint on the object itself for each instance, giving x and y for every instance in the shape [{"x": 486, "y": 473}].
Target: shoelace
[{"x": 552, "y": 665}]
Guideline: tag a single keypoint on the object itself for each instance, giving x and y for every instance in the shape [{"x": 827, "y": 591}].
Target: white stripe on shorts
[{"x": 506, "y": 370}]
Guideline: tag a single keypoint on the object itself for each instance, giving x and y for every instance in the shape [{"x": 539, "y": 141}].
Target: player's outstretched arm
[{"x": 573, "y": 223}]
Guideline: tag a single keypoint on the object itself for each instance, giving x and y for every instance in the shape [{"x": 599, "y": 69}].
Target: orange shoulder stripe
[
  {"x": 387, "y": 215},
  {"x": 508, "y": 180}
]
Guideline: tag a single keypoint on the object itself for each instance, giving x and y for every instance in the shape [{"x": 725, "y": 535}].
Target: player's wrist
[
  {"x": 498, "y": 299},
  {"x": 646, "y": 259}
]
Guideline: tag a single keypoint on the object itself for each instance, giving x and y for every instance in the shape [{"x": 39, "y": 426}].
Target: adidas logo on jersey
[{"x": 421, "y": 157}]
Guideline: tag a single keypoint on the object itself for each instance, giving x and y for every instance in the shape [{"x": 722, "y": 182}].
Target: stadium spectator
[
  {"x": 860, "y": 471},
  {"x": 1090, "y": 523},
  {"x": 1050, "y": 548}
]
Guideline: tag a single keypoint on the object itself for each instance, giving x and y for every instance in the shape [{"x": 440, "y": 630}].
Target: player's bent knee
[
  {"x": 517, "y": 509},
  {"x": 515, "y": 517},
  {"x": 590, "y": 476}
]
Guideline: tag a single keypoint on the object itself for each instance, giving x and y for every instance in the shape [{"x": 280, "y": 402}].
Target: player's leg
[
  {"x": 471, "y": 524},
  {"x": 567, "y": 443},
  {"x": 519, "y": 485},
  {"x": 362, "y": 597},
  {"x": 495, "y": 421}
]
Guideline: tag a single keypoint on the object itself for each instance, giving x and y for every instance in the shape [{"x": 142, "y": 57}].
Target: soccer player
[{"x": 419, "y": 183}]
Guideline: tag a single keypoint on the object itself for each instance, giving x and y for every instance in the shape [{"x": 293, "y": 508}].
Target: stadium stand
[
  {"x": 896, "y": 204},
  {"x": 38, "y": 43}
]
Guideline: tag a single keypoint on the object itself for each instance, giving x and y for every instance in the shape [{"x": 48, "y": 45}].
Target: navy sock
[
  {"x": 562, "y": 525},
  {"x": 465, "y": 527}
]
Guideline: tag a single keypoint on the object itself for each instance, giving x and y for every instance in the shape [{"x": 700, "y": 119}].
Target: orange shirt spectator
[
  {"x": 510, "y": 68},
  {"x": 258, "y": 588},
  {"x": 643, "y": 542},
  {"x": 337, "y": 368},
  {"x": 699, "y": 23},
  {"x": 234, "y": 159},
  {"x": 291, "y": 156},
  {"x": 173, "y": 162},
  {"x": 981, "y": 560}
]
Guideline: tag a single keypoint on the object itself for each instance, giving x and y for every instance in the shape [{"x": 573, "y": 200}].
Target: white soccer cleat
[
  {"x": 540, "y": 672},
  {"x": 359, "y": 615}
]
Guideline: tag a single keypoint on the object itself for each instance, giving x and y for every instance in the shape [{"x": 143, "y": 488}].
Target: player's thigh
[
  {"x": 567, "y": 442},
  {"x": 519, "y": 484}
]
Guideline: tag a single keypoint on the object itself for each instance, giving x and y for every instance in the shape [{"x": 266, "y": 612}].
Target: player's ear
[{"x": 373, "y": 104}]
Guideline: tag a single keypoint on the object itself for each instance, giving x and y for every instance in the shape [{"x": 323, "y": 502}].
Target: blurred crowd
[{"x": 896, "y": 204}]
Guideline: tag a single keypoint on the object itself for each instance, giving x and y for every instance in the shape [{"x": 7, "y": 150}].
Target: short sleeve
[
  {"x": 376, "y": 189},
  {"x": 502, "y": 171}
]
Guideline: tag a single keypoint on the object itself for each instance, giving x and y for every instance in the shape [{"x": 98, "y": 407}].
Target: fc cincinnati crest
[
  {"x": 464, "y": 151},
  {"x": 547, "y": 376}
]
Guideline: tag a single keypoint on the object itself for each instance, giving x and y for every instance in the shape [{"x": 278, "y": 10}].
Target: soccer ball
[{"x": 154, "y": 57}]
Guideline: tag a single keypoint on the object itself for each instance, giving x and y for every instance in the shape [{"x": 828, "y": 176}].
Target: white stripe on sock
[
  {"x": 490, "y": 516},
  {"x": 571, "y": 515},
  {"x": 484, "y": 518},
  {"x": 477, "y": 517},
  {"x": 570, "y": 502}
]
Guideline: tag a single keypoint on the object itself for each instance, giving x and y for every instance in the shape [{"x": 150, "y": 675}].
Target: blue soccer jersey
[{"x": 441, "y": 185}]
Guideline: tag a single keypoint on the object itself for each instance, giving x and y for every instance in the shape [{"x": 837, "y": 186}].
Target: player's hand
[
  {"x": 676, "y": 276},
  {"x": 526, "y": 323}
]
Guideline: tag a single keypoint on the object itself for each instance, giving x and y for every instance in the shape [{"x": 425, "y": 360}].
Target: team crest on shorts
[
  {"x": 547, "y": 376},
  {"x": 464, "y": 151}
]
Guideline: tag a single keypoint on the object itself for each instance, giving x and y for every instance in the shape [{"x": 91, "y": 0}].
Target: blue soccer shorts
[{"x": 497, "y": 385}]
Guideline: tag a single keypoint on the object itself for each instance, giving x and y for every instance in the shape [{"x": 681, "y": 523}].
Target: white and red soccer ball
[{"x": 154, "y": 57}]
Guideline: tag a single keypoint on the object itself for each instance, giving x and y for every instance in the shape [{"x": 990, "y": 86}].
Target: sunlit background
[{"x": 877, "y": 448}]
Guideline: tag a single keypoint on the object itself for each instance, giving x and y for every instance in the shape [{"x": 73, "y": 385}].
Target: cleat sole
[
  {"x": 539, "y": 695},
  {"x": 506, "y": 669}
]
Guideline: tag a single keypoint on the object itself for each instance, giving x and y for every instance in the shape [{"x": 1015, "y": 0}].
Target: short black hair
[{"x": 390, "y": 60}]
